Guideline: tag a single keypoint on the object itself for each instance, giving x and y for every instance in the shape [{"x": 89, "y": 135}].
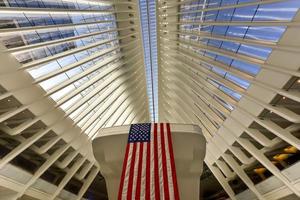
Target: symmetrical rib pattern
[
  {"x": 69, "y": 68},
  {"x": 232, "y": 67}
]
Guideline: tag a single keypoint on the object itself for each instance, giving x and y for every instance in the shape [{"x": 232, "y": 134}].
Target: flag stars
[{"x": 139, "y": 133}]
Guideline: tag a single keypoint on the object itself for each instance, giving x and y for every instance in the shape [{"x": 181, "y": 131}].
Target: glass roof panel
[
  {"x": 67, "y": 62},
  {"x": 223, "y": 51},
  {"x": 149, "y": 33}
]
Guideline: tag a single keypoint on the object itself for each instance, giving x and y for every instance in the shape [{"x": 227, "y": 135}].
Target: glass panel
[
  {"x": 223, "y": 51},
  {"x": 148, "y": 24}
]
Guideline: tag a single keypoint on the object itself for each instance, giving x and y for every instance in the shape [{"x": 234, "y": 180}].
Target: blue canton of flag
[{"x": 139, "y": 133}]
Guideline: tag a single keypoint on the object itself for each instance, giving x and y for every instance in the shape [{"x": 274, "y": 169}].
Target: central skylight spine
[{"x": 148, "y": 24}]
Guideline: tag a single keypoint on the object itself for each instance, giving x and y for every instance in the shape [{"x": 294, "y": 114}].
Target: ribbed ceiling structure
[{"x": 71, "y": 67}]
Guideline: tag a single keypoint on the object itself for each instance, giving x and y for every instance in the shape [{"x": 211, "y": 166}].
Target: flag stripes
[
  {"x": 156, "y": 165},
  {"x": 164, "y": 164},
  {"x": 149, "y": 168}
]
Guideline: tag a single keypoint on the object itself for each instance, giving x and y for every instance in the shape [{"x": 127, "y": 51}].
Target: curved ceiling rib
[
  {"x": 69, "y": 68},
  {"x": 226, "y": 66}
]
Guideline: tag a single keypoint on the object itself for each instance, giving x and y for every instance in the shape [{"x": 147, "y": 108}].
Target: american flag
[{"x": 149, "y": 168}]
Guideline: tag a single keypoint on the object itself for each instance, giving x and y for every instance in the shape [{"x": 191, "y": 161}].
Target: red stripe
[
  {"x": 123, "y": 172},
  {"x": 130, "y": 181},
  {"x": 139, "y": 176},
  {"x": 156, "y": 176},
  {"x": 147, "y": 193},
  {"x": 164, "y": 162},
  {"x": 173, "y": 168}
]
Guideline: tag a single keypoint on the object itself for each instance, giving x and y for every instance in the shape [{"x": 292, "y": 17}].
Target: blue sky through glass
[
  {"x": 269, "y": 12},
  {"x": 71, "y": 70},
  {"x": 148, "y": 24}
]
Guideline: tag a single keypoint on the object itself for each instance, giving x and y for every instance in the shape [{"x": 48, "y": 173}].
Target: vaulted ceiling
[{"x": 71, "y": 67}]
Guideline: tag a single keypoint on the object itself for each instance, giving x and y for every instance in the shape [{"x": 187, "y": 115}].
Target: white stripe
[
  {"x": 160, "y": 170},
  {"x": 135, "y": 170},
  {"x": 126, "y": 178},
  {"x": 152, "y": 189},
  {"x": 143, "y": 174},
  {"x": 170, "y": 180}
]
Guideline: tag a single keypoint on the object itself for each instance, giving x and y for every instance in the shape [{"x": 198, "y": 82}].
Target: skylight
[
  {"x": 70, "y": 55},
  {"x": 148, "y": 24},
  {"x": 192, "y": 32}
]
